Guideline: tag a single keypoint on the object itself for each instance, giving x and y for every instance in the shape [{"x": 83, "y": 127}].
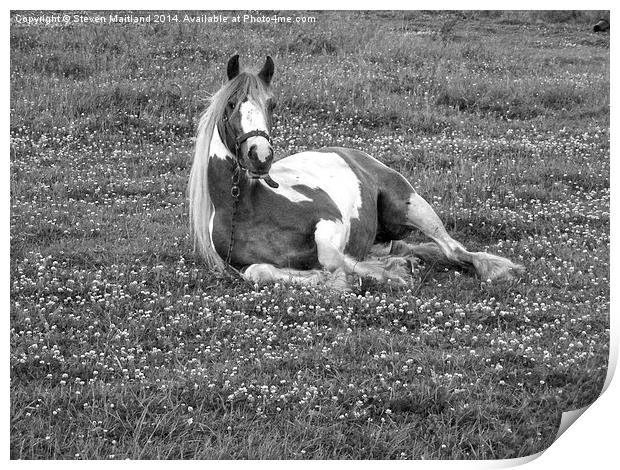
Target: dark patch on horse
[
  {"x": 393, "y": 207},
  {"x": 279, "y": 231},
  {"x": 226, "y": 135}
]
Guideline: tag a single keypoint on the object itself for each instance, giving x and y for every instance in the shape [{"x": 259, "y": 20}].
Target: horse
[{"x": 314, "y": 217}]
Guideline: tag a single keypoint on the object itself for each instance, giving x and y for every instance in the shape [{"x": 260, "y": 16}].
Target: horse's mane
[{"x": 245, "y": 85}]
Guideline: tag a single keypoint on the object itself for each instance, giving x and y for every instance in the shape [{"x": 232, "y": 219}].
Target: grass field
[{"x": 124, "y": 346}]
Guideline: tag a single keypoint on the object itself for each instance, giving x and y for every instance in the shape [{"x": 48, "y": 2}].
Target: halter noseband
[{"x": 242, "y": 138}]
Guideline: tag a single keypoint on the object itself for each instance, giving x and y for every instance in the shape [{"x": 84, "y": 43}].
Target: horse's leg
[
  {"x": 330, "y": 241},
  {"x": 263, "y": 272},
  {"x": 414, "y": 212}
]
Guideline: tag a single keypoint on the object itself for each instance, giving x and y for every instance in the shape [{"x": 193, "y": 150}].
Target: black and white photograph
[{"x": 306, "y": 234}]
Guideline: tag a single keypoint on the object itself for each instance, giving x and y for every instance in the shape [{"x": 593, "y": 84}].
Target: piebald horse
[{"x": 312, "y": 217}]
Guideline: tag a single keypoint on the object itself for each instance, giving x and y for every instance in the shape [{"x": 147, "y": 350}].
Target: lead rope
[{"x": 234, "y": 192}]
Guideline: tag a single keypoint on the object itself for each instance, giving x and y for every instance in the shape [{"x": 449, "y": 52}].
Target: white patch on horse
[
  {"x": 320, "y": 170},
  {"x": 253, "y": 119},
  {"x": 217, "y": 148},
  {"x": 262, "y": 272},
  {"x": 330, "y": 238},
  {"x": 332, "y": 233}
]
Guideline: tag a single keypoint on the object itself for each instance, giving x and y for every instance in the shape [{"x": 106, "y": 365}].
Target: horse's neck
[{"x": 221, "y": 168}]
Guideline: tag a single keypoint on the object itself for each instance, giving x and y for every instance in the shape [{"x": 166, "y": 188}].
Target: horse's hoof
[{"x": 495, "y": 268}]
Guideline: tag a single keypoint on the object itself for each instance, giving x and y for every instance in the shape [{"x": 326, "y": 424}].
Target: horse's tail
[{"x": 200, "y": 205}]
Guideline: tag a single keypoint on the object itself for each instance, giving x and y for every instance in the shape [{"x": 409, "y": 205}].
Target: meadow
[{"x": 123, "y": 345}]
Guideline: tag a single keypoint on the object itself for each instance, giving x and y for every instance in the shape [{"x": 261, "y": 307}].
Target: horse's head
[{"x": 248, "y": 117}]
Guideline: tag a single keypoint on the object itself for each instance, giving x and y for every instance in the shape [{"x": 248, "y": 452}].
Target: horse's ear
[
  {"x": 266, "y": 72},
  {"x": 232, "y": 70}
]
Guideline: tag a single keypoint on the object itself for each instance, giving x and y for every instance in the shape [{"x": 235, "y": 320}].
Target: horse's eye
[
  {"x": 231, "y": 105},
  {"x": 272, "y": 104}
]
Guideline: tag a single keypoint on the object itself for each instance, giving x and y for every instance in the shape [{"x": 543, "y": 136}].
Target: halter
[{"x": 242, "y": 138}]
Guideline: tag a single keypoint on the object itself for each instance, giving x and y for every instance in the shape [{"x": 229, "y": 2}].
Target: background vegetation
[{"x": 124, "y": 346}]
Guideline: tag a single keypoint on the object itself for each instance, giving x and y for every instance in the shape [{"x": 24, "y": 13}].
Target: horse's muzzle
[{"x": 260, "y": 158}]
